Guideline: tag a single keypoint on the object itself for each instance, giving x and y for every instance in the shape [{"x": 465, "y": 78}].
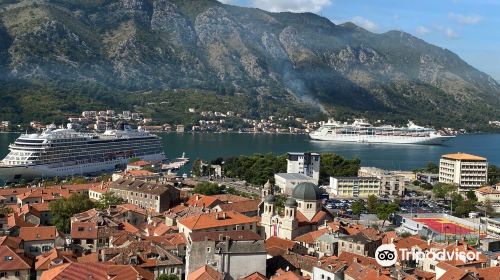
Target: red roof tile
[
  {"x": 96, "y": 271},
  {"x": 11, "y": 261},
  {"x": 38, "y": 233},
  {"x": 205, "y": 273},
  {"x": 214, "y": 220},
  {"x": 84, "y": 230}
]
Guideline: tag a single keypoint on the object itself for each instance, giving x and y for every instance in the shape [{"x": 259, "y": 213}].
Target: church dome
[
  {"x": 291, "y": 202},
  {"x": 306, "y": 192},
  {"x": 270, "y": 199}
]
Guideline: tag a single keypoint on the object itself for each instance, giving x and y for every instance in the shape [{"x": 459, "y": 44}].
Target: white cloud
[
  {"x": 448, "y": 32},
  {"x": 297, "y": 6},
  {"x": 365, "y": 23},
  {"x": 465, "y": 19},
  {"x": 422, "y": 30},
  {"x": 226, "y": 1}
]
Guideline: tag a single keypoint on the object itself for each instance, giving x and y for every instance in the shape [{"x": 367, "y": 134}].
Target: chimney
[
  {"x": 429, "y": 241},
  {"x": 392, "y": 240},
  {"x": 224, "y": 215},
  {"x": 216, "y": 216}
]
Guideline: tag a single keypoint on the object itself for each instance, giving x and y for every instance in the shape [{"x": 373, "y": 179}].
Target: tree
[
  {"x": 358, "y": 207},
  {"x": 371, "y": 204},
  {"x": 335, "y": 165},
  {"x": 441, "y": 190},
  {"x": 196, "y": 169},
  {"x": 488, "y": 207},
  {"x": 109, "y": 199},
  {"x": 471, "y": 195},
  {"x": 167, "y": 277},
  {"x": 461, "y": 206},
  {"x": 385, "y": 210},
  {"x": 63, "y": 209},
  {"x": 207, "y": 188}
]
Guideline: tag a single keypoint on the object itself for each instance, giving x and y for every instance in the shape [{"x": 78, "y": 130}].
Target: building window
[
  {"x": 17, "y": 273},
  {"x": 209, "y": 249}
]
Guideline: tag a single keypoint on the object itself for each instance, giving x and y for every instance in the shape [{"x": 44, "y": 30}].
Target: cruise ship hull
[
  {"x": 12, "y": 174},
  {"x": 380, "y": 139}
]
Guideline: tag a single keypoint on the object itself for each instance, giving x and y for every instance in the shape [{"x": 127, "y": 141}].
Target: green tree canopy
[
  {"x": 488, "y": 207},
  {"x": 358, "y": 207},
  {"x": 385, "y": 210},
  {"x": 167, "y": 277},
  {"x": 441, "y": 190},
  {"x": 207, "y": 188},
  {"x": 371, "y": 204},
  {"x": 332, "y": 165},
  {"x": 63, "y": 209},
  {"x": 107, "y": 200}
]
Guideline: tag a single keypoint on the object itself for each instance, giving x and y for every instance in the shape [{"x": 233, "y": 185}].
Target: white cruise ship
[
  {"x": 361, "y": 131},
  {"x": 65, "y": 152}
]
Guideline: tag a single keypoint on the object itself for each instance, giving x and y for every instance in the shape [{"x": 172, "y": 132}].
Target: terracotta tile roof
[
  {"x": 38, "y": 233},
  {"x": 463, "y": 156},
  {"x": 100, "y": 188},
  {"x": 84, "y": 230},
  {"x": 89, "y": 258},
  {"x": 424, "y": 275},
  {"x": 352, "y": 229},
  {"x": 230, "y": 198},
  {"x": 12, "y": 261},
  {"x": 162, "y": 229},
  {"x": 205, "y": 273},
  {"x": 488, "y": 190},
  {"x": 289, "y": 275},
  {"x": 10, "y": 241},
  {"x": 130, "y": 228},
  {"x": 488, "y": 273},
  {"x": 241, "y": 235},
  {"x": 349, "y": 258},
  {"x": 138, "y": 173},
  {"x": 132, "y": 207},
  {"x": 300, "y": 261},
  {"x": 310, "y": 237},
  {"x": 49, "y": 259},
  {"x": 13, "y": 220},
  {"x": 214, "y": 220},
  {"x": 241, "y": 207},
  {"x": 177, "y": 239},
  {"x": 389, "y": 237},
  {"x": 199, "y": 200},
  {"x": 372, "y": 233},
  {"x": 464, "y": 247},
  {"x": 358, "y": 271},
  {"x": 334, "y": 226},
  {"x": 254, "y": 276},
  {"x": 140, "y": 163},
  {"x": 276, "y": 246},
  {"x": 452, "y": 272},
  {"x": 96, "y": 271},
  {"x": 41, "y": 207}
]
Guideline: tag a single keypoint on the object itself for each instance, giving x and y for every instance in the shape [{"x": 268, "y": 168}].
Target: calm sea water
[{"x": 404, "y": 157}]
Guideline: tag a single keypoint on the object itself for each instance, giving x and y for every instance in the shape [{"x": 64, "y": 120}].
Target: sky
[{"x": 469, "y": 28}]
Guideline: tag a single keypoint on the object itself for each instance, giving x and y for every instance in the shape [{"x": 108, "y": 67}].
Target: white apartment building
[
  {"x": 392, "y": 183},
  {"x": 354, "y": 186},
  {"x": 287, "y": 181},
  {"x": 491, "y": 193},
  {"x": 304, "y": 163},
  {"x": 469, "y": 172}
]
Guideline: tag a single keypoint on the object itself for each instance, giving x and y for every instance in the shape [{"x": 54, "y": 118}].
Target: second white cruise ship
[
  {"x": 65, "y": 152},
  {"x": 361, "y": 131}
]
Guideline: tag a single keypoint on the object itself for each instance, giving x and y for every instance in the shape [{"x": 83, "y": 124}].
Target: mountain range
[{"x": 74, "y": 54}]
